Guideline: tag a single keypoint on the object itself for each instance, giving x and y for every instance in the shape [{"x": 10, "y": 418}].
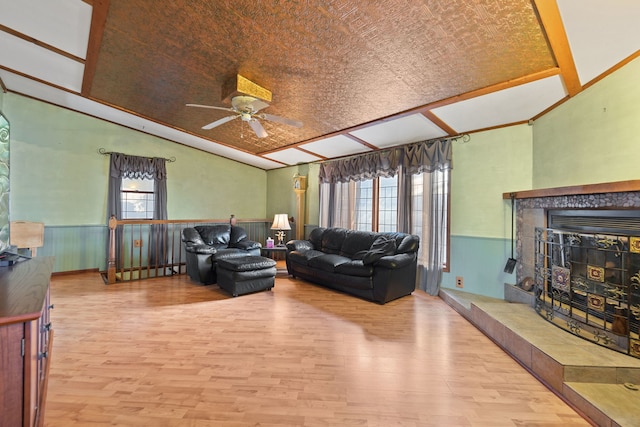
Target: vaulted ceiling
[{"x": 361, "y": 76}]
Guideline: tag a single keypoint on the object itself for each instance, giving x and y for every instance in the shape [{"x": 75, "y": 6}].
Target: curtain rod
[
  {"x": 464, "y": 137},
  {"x": 105, "y": 153}
]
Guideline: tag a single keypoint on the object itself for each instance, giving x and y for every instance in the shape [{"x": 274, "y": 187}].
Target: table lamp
[{"x": 280, "y": 223}]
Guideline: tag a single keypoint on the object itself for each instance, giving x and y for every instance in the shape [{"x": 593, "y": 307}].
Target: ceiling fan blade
[
  {"x": 257, "y": 128},
  {"x": 211, "y": 107},
  {"x": 219, "y": 122},
  {"x": 258, "y": 105},
  {"x": 282, "y": 120}
]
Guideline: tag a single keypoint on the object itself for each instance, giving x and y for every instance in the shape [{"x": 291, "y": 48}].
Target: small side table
[{"x": 275, "y": 253}]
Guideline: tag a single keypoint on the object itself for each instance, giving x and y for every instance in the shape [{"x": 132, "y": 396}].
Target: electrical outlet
[
  {"x": 137, "y": 243},
  {"x": 459, "y": 282}
]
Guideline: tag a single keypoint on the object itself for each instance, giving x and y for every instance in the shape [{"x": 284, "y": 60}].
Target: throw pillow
[{"x": 380, "y": 247}]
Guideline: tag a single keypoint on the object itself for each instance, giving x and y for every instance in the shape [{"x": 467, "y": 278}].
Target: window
[
  {"x": 364, "y": 204},
  {"x": 388, "y": 204},
  {"x": 377, "y": 203},
  {"x": 417, "y": 194},
  {"x": 137, "y": 198}
]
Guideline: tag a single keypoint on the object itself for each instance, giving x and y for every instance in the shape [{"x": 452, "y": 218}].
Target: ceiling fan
[{"x": 246, "y": 108}]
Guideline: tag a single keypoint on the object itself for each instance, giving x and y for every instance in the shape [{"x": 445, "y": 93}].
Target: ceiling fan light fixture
[{"x": 246, "y": 107}]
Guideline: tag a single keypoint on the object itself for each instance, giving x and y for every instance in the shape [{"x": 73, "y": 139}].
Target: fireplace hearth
[{"x": 581, "y": 246}]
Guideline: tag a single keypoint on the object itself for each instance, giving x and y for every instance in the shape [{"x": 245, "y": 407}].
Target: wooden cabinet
[{"x": 26, "y": 338}]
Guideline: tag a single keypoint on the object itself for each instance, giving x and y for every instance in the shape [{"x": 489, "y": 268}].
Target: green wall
[
  {"x": 58, "y": 177},
  {"x": 592, "y": 138},
  {"x": 491, "y": 163}
]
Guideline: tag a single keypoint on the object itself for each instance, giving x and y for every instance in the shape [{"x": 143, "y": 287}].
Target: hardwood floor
[{"x": 168, "y": 352}]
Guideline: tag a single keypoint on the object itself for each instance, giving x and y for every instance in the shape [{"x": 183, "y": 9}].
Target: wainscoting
[
  {"x": 75, "y": 247},
  {"x": 480, "y": 262},
  {"x": 84, "y": 247}
]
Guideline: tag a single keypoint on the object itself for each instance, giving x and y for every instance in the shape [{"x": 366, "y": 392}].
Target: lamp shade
[{"x": 281, "y": 222}]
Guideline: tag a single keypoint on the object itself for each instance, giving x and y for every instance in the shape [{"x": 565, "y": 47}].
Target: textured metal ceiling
[{"x": 331, "y": 64}]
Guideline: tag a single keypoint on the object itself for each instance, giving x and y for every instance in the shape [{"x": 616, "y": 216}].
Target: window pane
[
  {"x": 137, "y": 198},
  {"x": 364, "y": 205},
  {"x": 388, "y": 204},
  {"x": 416, "y": 201}
]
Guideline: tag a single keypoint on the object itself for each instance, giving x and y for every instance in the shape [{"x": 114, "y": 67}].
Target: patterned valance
[
  {"x": 136, "y": 167},
  {"x": 425, "y": 156}
]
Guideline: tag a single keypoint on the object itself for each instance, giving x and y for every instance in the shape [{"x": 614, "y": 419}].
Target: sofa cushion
[
  {"x": 357, "y": 241},
  {"x": 215, "y": 235},
  {"x": 303, "y": 257},
  {"x": 332, "y": 240},
  {"x": 247, "y": 245},
  {"x": 383, "y": 245},
  {"x": 328, "y": 262},
  {"x": 315, "y": 237},
  {"x": 360, "y": 254},
  {"x": 237, "y": 234},
  {"x": 299, "y": 245},
  {"x": 355, "y": 268},
  {"x": 226, "y": 253}
]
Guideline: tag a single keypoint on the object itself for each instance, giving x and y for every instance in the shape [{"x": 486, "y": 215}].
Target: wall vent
[{"x": 624, "y": 222}]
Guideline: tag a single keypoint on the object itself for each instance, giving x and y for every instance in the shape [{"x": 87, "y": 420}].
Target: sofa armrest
[
  {"x": 199, "y": 249},
  {"x": 299, "y": 245},
  {"x": 247, "y": 245},
  {"x": 396, "y": 261}
]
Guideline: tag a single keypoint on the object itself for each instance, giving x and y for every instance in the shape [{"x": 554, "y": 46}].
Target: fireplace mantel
[{"x": 610, "y": 187}]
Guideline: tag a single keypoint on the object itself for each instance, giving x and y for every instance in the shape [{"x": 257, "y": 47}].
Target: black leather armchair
[{"x": 205, "y": 244}]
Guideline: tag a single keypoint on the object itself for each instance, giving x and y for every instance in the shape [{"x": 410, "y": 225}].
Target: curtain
[
  {"x": 338, "y": 204},
  {"x": 432, "y": 160},
  {"x": 135, "y": 167},
  {"x": 365, "y": 166},
  {"x": 158, "y": 239},
  {"x": 433, "y": 231},
  {"x": 415, "y": 158}
]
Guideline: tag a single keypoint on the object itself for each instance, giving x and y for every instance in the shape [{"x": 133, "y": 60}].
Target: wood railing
[{"x": 142, "y": 249}]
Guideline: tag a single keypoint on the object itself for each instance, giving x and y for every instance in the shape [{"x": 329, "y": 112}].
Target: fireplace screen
[{"x": 589, "y": 284}]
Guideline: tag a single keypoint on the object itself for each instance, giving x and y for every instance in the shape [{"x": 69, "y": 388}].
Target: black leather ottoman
[{"x": 244, "y": 275}]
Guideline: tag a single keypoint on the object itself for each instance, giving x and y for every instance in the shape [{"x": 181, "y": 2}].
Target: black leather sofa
[
  {"x": 379, "y": 267},
  {"x": 206, "y": 244}
]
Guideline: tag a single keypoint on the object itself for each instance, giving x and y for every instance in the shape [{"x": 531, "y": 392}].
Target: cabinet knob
[
  {"x": 52, "y": 306},
  {"x": 44, "y": 355},
  {"x": 47, "y": 327}
]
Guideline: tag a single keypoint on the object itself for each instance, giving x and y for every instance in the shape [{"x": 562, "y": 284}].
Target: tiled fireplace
[{"x": 581, "y": 247}]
